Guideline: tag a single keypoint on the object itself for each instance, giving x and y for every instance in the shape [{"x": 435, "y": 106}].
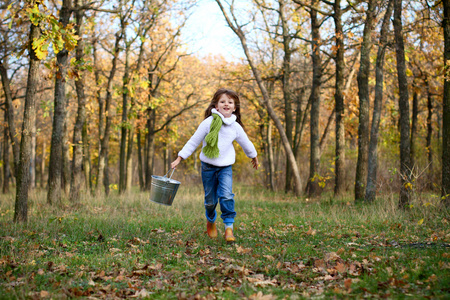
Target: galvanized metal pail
[{"x": 163, "y": 189}]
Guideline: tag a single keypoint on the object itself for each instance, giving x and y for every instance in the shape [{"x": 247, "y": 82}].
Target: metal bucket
[{"x": 164, "y": 189}]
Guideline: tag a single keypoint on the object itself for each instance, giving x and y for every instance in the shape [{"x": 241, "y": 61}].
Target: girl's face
[{"x": 225, "y": 105}]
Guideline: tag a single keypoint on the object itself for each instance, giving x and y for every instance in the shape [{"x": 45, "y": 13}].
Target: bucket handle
[{"x": 173, "y": 170}]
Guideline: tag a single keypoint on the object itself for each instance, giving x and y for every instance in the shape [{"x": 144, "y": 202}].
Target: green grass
[{"x": 125, "y": 246}]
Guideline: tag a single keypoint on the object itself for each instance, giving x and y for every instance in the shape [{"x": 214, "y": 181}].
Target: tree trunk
[
  {"x": 23, "y": 170},
  {"x": 270, "y": 156},
  {"x": 377, "y": 107},
  {"x": 339, "y": 187},
  {"x": 140, "y": 164},
  {"x": 150, "y": 146},
  {"x": 326, "y": 131},
  {"x": 66, "y": 159},
  {"x": 300, "y": 120},
  {"x": 59, "y": 118},
  {"x": 6, "y": 170},
  {"x": 267, "y": 104},
  {"x": 87, "y": 166},
  {"x": 124, "y": 125},
  {"x": 76, "y": 180},
  {"x": 287, "y": 88},
  {"x": 10, "y": 112},
  {"x": 44, "y": 146},
  {"x": 1, "y": 155},
  {"x": 130, "y": 146},
  {"x": 429, "y": 133},
  {"x": 414, "y": 116},
  {"x": 101, "y": 116},
  {"x": 33, "y": 154},
  {"x": 405, "y": 167},
  {"x": 106, "y": 180},
  {"x": 165, "y": 157},
  {"x": 364, "y": 104},
  {"x": 300, "y": 131},
  {"x": 312, "y": 187},
  {"x": 446, "y": 109},
  {"x": 265, "y": 130},
  {"x": 104, "y": 145}
]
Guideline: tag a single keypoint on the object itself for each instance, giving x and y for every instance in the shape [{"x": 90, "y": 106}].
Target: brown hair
[{"x": 233, "y": 95}]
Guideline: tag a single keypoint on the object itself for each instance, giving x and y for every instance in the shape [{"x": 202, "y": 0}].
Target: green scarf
[{"x": 211, "y": 150}]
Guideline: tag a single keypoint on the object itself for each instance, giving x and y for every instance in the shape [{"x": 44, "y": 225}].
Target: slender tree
[
  {"x": 59, "y": 117},
  {"x": 286, "y": 80},
  {"x": 339, "y": 186},
  {"x": 314, "y": 161},
  {"x": 377, "y": 106},
  {"x": 405, "y": 167},
  {"x": 364, "y": 103},
  {"x": 78, "y": 143},
  {"x": 106, "y": 110},
  {"x": 5, "y": 152},
  {"x": 124, "y": 125},
  {"x": 429, "y": 130},
  {"x": 125, "y": 100},
  {"x": 23, "y": 169},
  {"x": 9, "y": 109},
  {"x": 446, "y": 109},
  {"x": 414, "y": 120}
]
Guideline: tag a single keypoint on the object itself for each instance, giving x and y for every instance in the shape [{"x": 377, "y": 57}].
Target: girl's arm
[
  {"x": 175, "y": 163},
  {"x": 245, "y": 143}
]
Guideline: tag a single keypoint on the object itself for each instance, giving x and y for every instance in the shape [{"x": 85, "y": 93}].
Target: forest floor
[{"x": 125, "y": 246}]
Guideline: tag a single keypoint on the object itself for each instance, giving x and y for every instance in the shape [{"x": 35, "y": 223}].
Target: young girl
[{"x": 222, "y": 125}]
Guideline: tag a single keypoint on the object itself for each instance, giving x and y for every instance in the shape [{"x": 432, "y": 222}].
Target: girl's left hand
[
  {"x": 175, "y": 163},
  {"x": 255, "y": 163}
]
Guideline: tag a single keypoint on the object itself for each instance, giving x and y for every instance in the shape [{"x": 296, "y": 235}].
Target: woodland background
[{"x": 340, "y": 97}]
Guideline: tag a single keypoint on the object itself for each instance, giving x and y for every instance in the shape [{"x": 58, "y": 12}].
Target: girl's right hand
[{"x": 175, "y": 163}]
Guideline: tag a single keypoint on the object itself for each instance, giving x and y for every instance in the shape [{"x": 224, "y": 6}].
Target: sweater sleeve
[
  {"x": 245, "y": 143},
  {"x": 196, "y": 139}
]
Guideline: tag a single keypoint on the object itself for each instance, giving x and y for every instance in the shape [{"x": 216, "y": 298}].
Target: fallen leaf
[
  {"x": 319, "y": 263},
  {"x": 258, "y": 281},
  {"x": 243, "y": 250},
  {"x": 141, "y": 294},
  {"x": 340, "y": 251},
  {"x": 332, "y": 256},
  {"x": 261, "y": 296},
  {"x": 311, "y": 231},
  {"x": 44, "y": 294},
  {"x": 347, "y": 283},
  {"x": 340, "y": 267}
]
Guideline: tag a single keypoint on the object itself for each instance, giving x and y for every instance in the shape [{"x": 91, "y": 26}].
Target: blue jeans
[{"x": 218, "y": 184}]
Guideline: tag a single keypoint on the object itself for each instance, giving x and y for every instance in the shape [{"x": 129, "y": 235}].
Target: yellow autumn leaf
[{"x": 420, "y": 222}]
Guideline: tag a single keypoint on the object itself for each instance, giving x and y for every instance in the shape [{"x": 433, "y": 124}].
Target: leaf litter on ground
[{"x": 288, "y": 248}]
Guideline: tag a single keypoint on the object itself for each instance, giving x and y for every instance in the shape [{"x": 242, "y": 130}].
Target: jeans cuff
[{"x": 228, "y": 220}]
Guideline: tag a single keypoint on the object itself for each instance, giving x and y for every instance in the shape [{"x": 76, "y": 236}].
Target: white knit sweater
[{"x": 230, "y": 131}]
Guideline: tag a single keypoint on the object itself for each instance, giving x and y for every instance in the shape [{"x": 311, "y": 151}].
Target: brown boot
[
  {"x": 229, "y": 237},
  {"x": 211, "y": 229}
]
